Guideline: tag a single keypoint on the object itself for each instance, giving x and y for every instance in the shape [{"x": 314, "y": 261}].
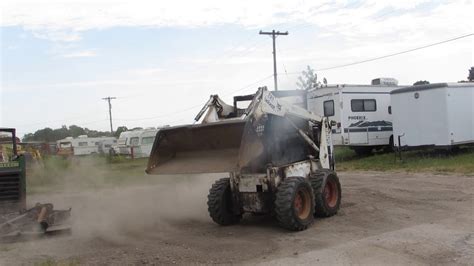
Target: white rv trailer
[
  {"x": 361, "y": 112},
  {"x": 123, "y": 144},
  {"x": 83, "y": 145},
  {"x": 136, "y": 143},
  {"x": 436, "y": 115}
]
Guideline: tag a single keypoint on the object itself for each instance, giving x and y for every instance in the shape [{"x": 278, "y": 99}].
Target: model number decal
[
  {"x": 270, "y": 100},
  {"x": 9, "y": 164}
]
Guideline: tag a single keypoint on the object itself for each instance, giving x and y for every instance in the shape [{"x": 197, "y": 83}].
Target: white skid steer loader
[{"x": 279, "y": 157}]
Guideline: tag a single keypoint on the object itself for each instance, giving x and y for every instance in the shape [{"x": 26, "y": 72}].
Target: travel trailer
[
  {"x": 433, "y": 115},
  {"x": 84, "y": 145},
  {"x": 362, "y": 113},
  {"x": 136, "y": 143}
]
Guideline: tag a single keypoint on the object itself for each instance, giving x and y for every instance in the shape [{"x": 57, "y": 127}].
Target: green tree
[
  {"x": 49, "y": 135},
  {"x": 308, "y": 79},
  {"x": 76, "y": 131},
  {"x": 120, "y": 130}
]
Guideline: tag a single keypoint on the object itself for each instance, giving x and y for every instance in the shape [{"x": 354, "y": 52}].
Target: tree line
[{"x": 50, "y": 135}]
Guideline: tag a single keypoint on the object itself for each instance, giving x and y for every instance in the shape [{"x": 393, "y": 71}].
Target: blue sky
[{"x": 162, "y": 61}]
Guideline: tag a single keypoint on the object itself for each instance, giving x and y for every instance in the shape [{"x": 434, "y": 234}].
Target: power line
[
  {"x": 289, "y": 73},
  {"x": 195, "y": 106},
  {"x": 389, "y": 55},
  {"x": 249, "y": 85}
]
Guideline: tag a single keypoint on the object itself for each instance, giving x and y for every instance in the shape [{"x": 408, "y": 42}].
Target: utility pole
[
  {"x": 110, "y": 112},
  {"x": 274, "y": 34}
]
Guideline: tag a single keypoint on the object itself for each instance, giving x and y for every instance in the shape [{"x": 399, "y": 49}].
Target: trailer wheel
[
  {"x": 219, "y": 203},
  {"x": 362, "y": 151},
  {"x": 294, "y": 204},
  {"x": 327, "y": 193}
]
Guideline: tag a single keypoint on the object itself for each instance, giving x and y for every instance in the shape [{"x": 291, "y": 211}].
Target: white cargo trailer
[
  {"x": 437, "y": 115},
  {"x": 136, "y": 143},
  {"x": 83, "y": 145},
  {"x": 362, "y": 113}
]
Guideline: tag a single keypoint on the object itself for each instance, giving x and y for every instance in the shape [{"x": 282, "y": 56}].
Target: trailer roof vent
[
  {"x": 82, "y": 136},
  {"x": 385, "y": 82}
]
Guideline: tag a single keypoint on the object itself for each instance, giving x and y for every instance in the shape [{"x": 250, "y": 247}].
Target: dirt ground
[{"x": 385, "y": 218}]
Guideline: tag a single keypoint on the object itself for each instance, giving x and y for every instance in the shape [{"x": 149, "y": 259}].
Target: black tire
[
  {"x": 324, "y": 182},
  {"x": 363, "y": 151},
  {"x": 219, "y": 203},
  {"x": 289, "y": 192},
  {"x": 391, "y": 145}
]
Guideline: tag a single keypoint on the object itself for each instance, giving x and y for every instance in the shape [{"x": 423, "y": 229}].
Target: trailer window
[
  {"x": 65, "y": 145},
  {"x": 148, "y": 140},
  {"x": 328, "y": 108},
  {"x": 134, "y": 141},
  {"x": 82, "y": 144},
  {"x": 363, "y": 105}
]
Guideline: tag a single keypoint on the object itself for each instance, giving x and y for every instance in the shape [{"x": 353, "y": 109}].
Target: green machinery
[
  {"x": 15, "y": 218},
  {"x": 12, "y": 173}
]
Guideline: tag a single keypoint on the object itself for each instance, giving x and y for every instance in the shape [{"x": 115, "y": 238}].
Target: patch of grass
[
  {"x": 412, "y": 161},
  {"x": 5, "y": 249},
  {"x": 96, "y": 172}
]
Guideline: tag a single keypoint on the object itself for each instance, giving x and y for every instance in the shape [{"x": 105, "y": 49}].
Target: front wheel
[
  {"x": 294, "y": 204},
  {"x": 219, "y": 203},
  {"x": 327, "y": 193}
]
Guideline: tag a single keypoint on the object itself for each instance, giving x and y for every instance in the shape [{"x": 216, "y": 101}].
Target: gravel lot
[{"x": 385, "y": 218}]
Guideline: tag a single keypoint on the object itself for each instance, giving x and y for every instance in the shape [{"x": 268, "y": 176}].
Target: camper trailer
[
  {"x": 84, "y": 145},
  {"x": 362, "y": 113},
  {"x": 136, "y": 143},
  {"x": 433, "y": 115}
]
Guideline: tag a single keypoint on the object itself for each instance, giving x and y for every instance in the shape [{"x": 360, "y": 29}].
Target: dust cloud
[{"x": 105, "y": 208}]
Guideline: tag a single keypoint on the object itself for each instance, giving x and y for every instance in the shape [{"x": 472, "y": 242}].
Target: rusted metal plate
[
  {"x": 303, "y": 168},
  {"x": 253, "y": 183},
  {"x": 259, "y": 202}
]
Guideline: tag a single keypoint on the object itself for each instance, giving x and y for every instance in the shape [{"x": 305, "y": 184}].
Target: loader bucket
[{"x": 201, "y": 148}]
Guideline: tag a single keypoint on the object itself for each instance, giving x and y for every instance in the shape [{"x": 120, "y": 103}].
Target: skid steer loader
[{"x": 279, "y": 157}]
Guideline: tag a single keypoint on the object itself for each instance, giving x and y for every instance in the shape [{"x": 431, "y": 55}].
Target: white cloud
[
  {"x": 322, "y": 34},
  {"x": 144, "y": 72},
  {"x": 85, "y": 53},
  {"x": 56, "y": 35},
  {"x": 64, "y": 20}
]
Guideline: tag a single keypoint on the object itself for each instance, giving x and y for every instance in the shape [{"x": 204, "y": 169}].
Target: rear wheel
[
  {"x": 327, "y": 193},
  {"x": 294, "y": 204},
  {"x": 219, "y": 203}
]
